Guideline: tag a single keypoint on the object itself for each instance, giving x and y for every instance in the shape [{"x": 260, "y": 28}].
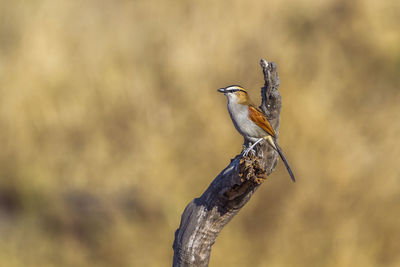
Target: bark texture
[{"x": 204, "y": 217}]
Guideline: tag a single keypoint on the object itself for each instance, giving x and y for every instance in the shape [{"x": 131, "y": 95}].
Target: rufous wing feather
[{"x": 260, "y": 119}]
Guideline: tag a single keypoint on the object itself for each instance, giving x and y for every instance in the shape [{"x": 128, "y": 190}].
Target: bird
[{"x": 251, "y": 122}]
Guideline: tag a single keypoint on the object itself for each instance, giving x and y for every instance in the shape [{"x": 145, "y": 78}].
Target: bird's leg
[
  {"x": 246, "y": 145},
  {"x": 247, "y": 150}
]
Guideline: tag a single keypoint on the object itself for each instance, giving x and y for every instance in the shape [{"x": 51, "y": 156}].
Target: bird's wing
[{"x": 260, "y": 119}]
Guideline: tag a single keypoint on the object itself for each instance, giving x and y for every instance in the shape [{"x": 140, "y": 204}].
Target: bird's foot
[{"x": 248, "y": 150}]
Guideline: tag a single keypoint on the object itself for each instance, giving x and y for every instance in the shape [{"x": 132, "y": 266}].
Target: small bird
[{"x": 251, "y": 122}]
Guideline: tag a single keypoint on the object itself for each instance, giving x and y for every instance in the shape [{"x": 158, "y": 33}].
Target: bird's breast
[{"x": 240, "y": 116}]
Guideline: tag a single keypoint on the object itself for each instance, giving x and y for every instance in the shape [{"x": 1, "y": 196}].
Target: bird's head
[{"x": 235, "y": 93}]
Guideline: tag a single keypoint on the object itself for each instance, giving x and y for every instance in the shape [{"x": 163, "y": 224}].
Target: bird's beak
[{"x": 221, "y": 90}]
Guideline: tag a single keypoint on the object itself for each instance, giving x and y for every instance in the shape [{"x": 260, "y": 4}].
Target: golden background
[{"x": 110, "y": 124}]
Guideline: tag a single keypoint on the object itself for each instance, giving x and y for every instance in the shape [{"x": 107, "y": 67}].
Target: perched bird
[{"x": 251, "y": 122}]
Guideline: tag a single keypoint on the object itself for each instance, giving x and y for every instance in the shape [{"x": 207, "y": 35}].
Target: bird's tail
[{"x": 275, "y": 145}]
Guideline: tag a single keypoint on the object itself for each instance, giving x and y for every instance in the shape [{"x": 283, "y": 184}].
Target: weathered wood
[{"x": 204, "y": 217}]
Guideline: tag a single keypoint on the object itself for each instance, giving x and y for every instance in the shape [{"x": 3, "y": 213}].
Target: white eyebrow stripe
[{"x": 235, "y": 90}]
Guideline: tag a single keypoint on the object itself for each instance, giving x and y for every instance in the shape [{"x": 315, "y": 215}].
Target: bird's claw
[{"x": 248, "y": 150}]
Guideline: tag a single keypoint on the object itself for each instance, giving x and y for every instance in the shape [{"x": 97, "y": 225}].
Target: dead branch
[{"x": 205, "y": 217}]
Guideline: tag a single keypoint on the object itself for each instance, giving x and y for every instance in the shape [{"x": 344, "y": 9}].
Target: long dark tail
[
  {"x": 280, "y": 152},
  {"x": 285, "y": 161}
]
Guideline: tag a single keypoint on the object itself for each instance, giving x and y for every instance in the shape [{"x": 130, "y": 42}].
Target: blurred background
[{"x": 110, "y": 124}]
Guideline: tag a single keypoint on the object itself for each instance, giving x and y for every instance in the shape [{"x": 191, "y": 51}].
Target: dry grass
[{"x": 110, "y": 124}]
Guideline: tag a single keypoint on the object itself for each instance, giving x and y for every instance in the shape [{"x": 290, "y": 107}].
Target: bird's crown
[
  {"x": 232, "y": 89},
  {"x": 235, "y": 88}
]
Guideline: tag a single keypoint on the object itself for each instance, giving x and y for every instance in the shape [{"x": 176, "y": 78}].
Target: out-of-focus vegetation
[{"x": 110, "y": 124}]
